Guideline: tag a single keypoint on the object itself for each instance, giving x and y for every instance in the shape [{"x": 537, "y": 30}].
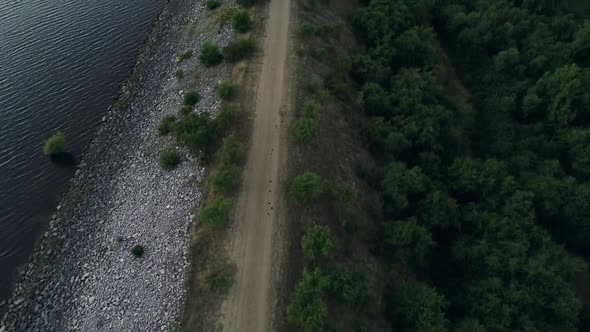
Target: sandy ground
[{"x": 256, "y": 223}]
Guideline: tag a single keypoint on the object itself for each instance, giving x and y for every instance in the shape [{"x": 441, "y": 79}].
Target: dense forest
[{"x": 484, "y": 218}]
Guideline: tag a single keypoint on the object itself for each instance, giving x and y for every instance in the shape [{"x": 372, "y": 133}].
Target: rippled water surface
[{"x": 61, "y": 66}]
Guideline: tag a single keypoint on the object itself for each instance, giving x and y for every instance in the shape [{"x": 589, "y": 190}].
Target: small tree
[
  {"x": 55, "y": 145},
  {"x": 241, "y": 20},
  {"x": 210, "y": 54},
  {"x": 216, "y": 213},
  {"x": 304, "y": 130}
]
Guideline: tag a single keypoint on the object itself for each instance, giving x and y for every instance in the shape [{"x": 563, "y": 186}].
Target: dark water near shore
[{"x": 61, "y": 66}]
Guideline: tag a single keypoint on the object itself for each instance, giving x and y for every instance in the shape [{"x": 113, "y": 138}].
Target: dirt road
[{"x": 247, "y": 307}]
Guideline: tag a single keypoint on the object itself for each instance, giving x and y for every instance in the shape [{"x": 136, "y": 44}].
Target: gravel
[{"x": 82, "y": 276}]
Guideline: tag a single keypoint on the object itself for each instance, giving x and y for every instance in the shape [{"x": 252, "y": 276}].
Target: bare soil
[{"x": 257, "y": 217}]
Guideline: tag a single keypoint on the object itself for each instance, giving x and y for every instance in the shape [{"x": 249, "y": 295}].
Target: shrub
[
  {"x": 321, "y": 53},
  {"x": 241, "y": 20},
  {"x": 168, "y": 159},
  {"x": 55, "y": 145},
  {"x": 315, "y": 84},
  {"x": 341, "y": 193},
  {"x": 197, "y": 132},
  {"x": 186, "y": 110},
  {"x": 308, "y": 29},
  {"x": 167, "y": 125},
  {"x": 137, "y": 251},
  {"x": 221, "y": 280},
  {"x": 225, "y": 90},
  {"x": 228, "y": 114},
  {"x": 300, "y": 52},
  {"x": 246, "y": 3},
  {"x": 216, "y": 213},
  {"x": 317, "y": 243},
  {"x": 179, "y": 73},
  {"x": 309, "y": 4},
  {"x": 185, "y": 55},
  {"x": 239, "y": 49},
  {"x": 304, "y": 131},
  {"x": 309, "y": 108},
  {"x": 307, "y": 189},
  {"x": 227, "y": 177},
  {"x": 307, "y": 308},
  {"x": 210, "y": 54},
  {"x": 231, "y": 151},
  {"x": 212, "y": 4},
  {"x": 191, "y": 98}
]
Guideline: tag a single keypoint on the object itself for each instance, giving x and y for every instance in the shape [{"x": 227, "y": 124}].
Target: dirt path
[{"x": 247, "y": 307}]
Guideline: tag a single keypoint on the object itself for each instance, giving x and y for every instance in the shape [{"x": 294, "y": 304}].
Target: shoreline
[{"x": 81, "y": 274}]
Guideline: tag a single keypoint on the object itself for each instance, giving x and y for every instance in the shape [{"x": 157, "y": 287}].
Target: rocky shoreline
[{"x": 82, "y": 276}]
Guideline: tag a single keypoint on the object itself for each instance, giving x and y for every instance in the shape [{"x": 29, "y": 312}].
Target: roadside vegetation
[
  {"x": 469, "y": 209},
  {"x": 217, "y": 139}
]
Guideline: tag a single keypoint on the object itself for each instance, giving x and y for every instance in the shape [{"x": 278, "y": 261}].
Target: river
[{"x": 62, "y": 63}]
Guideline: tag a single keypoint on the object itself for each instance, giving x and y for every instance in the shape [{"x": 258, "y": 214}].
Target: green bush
[
  {"x": 308, "y": 29},
  {"x": 231, "y": 151},
  {"x": 216, "y": 213},
  {"x": 167, "y": 125},
  {"x": 308, "y": 309},
  {"x": 185, "y": 56},
  {"x": 169, "y": 159},
  {"x": 198, "y": 132},
  {"x": 239, "y": 49},
  {"x": 246, "y": 3},
  {"x": 309, "y": 108},
  {"x": 317, "y": 244},
  {"x": 186, "y": 109},
  {"x": 55, "y": 145},
  {"x": 227, "y": 116},
  {"x": 191, "y": 98},
  {"x": 137, "y": 251},
  {"x": 315, "y": 84},
  {"x": 222, "y": 279},
  {"x": 309, "y": 4},
  {"x": 241, "y": 20},
  {"x": 304, "y": 130},
  {"x": 227, "y": 178},
  {"x": 212, "y": 4},
  {"x": 210, "y": 54},
  {"x": 307, "y": 189},
  {"x": 225, "y": 90}
]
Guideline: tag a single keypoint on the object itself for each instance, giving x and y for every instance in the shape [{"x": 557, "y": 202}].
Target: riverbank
[{"x": 82, "y": 275}]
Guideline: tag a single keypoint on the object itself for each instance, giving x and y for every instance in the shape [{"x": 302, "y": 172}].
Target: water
[{"x": 61, "y": 66}]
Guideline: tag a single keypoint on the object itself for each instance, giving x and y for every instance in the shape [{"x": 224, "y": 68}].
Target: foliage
[
  {"x": 216, "y": 213},
  {"x": 308, "y": 309},
  {"x": 191, "y": 98},
  {"x": 198, "y": 132},
  {"x": 231, "y": 151},
  {"x": 167, "y": 125},
  {"x": 226, "y": 178},
  {"x": 55, "y": 145},
  {"x": 169, "y": 159},
  {"x": 241, "y": 20},
  {"x": 226, "y": 90},
  {"x": 137, "y": 250},
  {"x": 419, "y": 308},
  {"x": 317, "y": 244},
  {"x": 239, "y": 49},
  {"x": 246, "y": 3},
  {"x": 212, "y": 4},
  {"x": 307, "y": 189},
  {"x": 210, "y": 54},
  {"x": 221, "y": 279}
]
